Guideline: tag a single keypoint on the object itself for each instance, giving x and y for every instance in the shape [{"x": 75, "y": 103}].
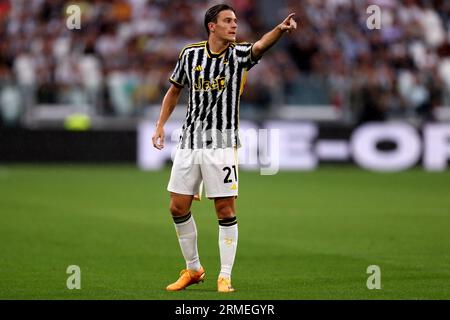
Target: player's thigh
[
  {"x": 185, "y": 177},
  {"x": 180, "y": 204},
  {"x": 220, "y": 172}
]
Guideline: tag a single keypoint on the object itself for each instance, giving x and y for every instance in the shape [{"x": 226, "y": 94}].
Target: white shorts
[{"x": 217, "y": 168}]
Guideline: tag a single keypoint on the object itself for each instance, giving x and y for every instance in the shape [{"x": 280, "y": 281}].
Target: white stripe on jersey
[{"x": 233, "y": 103}]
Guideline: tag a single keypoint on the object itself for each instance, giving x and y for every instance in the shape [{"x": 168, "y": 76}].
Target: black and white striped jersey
[{"x": 216, "y": 82}]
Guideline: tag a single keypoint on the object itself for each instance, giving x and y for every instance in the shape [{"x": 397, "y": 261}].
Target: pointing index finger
[{"x": 290, "y": 16}]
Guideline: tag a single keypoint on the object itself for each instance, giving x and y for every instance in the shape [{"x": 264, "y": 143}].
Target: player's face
[{"x": 226, "y": 25}]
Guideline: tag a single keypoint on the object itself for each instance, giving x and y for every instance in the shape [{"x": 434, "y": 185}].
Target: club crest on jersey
[{"x": 206, "y": 85}]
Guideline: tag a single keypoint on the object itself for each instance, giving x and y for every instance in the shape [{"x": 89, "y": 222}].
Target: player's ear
[{"x": 211, "y": 26}]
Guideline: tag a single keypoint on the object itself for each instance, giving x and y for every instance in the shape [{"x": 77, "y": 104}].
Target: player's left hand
[{"x": 288, "y": 24}]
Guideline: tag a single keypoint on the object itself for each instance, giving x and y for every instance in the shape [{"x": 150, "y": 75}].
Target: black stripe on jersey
[
  {"x": 229, "y": 107},
  {"x": 241, "y": 54},
  {"x": 252, "y": 57},
  {"x": 225, "y": 100},
  {"x": 185, "y": 142},
  {"x": 175, "y": 72},
  {"x": 176, "y": 78},
  {"x": 237, "y": 97},
  {"x": 242, "y": 50},
  {"x": 220, "y": 105},
  {"x": 196, "y": 101},
  {"x": 228, "y": 134},
  {"x": 215, "y": 99},
  {"x": 189, "y": 61}
]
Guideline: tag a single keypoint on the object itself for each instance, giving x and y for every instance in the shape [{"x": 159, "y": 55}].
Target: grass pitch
[{"x": 302, "y": 235}]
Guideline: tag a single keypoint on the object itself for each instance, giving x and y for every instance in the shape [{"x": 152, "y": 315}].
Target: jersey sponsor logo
[{"x": 206, "y": 85}]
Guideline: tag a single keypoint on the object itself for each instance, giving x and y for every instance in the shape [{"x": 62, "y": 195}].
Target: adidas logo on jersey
[{"x": 198, "y": 68}]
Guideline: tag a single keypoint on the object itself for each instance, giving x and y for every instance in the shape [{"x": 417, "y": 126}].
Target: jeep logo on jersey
[{"x": 206, "y": 85}]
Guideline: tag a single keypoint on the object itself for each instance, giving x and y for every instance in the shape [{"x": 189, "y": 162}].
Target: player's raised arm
[
  {"x": 271, "y": 37},
  {"x": 169, "y": 103}
]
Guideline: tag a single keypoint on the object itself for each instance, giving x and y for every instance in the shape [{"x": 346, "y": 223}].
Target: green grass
[{"x": 302, "y": 235}]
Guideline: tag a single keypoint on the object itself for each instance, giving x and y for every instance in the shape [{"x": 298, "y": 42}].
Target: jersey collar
[{"x": 215, "y": 55}]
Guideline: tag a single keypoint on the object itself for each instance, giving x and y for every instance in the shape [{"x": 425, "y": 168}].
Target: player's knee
[
  {"x": 225, "y": 212},
  {"x": 177, "y": 210}
]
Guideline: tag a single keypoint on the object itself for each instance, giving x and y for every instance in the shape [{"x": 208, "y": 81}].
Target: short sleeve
[
  {"x": 178, "y": 76},
  {"x": 245, "y": 56}
]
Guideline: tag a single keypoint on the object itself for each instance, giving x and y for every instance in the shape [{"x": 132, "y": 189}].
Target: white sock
[
  {"x": 228, "y": 238},
  {"x": 187, "y": 237}
]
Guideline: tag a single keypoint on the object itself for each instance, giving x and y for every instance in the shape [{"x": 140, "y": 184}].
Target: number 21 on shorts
[{"x": 228, "y": 175}]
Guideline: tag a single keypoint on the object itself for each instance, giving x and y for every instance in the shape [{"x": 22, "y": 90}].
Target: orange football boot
[
  {"x": 224, "y": 285},
  {"x": 187, "y": 277}
]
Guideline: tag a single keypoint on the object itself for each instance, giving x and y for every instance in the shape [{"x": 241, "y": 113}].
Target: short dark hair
[{"x": 212, "y": 13}]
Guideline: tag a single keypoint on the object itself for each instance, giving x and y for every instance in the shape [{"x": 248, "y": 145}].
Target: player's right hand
[{"x": 158, "y": 138}]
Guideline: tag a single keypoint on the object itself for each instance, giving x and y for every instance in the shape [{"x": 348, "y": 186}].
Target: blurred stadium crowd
[{"x": 120, "y": 59}]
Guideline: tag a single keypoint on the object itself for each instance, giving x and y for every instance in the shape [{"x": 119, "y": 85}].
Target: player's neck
[{"x": 217, "y": 45}]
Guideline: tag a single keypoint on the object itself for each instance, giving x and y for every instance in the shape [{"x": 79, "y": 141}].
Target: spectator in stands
[{"x": 120, "y": 61}]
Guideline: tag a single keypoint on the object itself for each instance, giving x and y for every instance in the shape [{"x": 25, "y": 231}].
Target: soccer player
[{"x": 215, "y": 72}]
